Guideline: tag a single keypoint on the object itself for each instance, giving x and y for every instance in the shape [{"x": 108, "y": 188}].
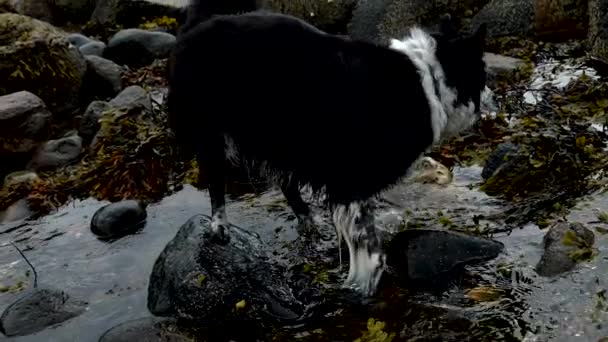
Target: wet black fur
[{"x": 346, "y": 116}]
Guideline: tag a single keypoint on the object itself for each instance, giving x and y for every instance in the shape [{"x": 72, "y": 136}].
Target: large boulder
[
  {"x": 39, "y": 9},
  {"x": 37, "y": 57},
  {"x": 52, "y": 11},
  {"x": 331, "y": 16},
  {"x": 506, "y": 18},
  {"x": 381, "y": 20},
  {"x": 24, "y": 125},
  {"x": 598, "y": 29},
  {"x": 560, "y": 19}
]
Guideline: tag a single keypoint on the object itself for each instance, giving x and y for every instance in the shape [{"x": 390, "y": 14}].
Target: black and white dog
[{"x": 348, "y": 118}]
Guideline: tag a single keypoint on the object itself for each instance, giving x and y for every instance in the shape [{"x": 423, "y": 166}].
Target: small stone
[
  {"x": 78, "y": 39},
  {"x": 24, "y": 122},
  {"x": 56, "y": 153},
  {"x": 565, "y": 243},
  {"x": 119, "y": 219},
  {"x": 103, "y": 77},
  {"x": 137, "y": 47},
  {"x": 132, "y": 96},
  {"x": 38, "y": 310},
  {"x": 92, "y": 49},
  {"x": 429, "y": 253}
]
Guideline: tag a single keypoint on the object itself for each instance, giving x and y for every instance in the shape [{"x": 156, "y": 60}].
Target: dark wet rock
[
  {"x": 118, "y": 219},
  {"x": 137, "y": 47},
  {"x": 506, "y": 18},
  {"x": 598, "y": 29},
  {"x": 37, "y": 57},
  {"x": 500, "y": 157},
  {"x": 94, "y": 48},
  {"x": 89, "y": 125},
  {"x": 24, "y": 123},
  {"x": 500, "y": 68},
  {"x": 560, "y": 19},
  {"x": 565, "y": 244},
  {"x": 381, "y": 20},
  {"x": 37, "y": 310},
  {"x": 131, "y": 97},
  {"x": 103, "y": 77},
  {"x": 422, "y": 254},
  {"x": 56, "y": 153},
  {"x": 199, "y": 278},
  {"x": 149, "y": 329},
  {"x": 129, "y": 13},
  {"x": 78, "y": 39},
  {"x": 330, "y": 16}
]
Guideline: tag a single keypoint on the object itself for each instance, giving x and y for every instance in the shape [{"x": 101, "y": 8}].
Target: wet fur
[{"x": 345, "y": 117}]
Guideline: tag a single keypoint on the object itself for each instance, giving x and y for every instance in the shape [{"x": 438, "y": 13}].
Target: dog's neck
[{"x": 447, "y": 117}]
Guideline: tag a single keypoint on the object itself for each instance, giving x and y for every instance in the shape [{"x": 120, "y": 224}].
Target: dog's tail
[{"x": 201, "y": 10}]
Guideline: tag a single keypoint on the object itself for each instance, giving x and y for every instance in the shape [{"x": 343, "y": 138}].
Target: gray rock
[
  {"x": 128, "y": 13},
  {"x": 136, "y": 47},
  {"x": 132, "y": 96},
  {"x": 561, "y": 242},
  {"x": 38, "y": 9},
  {"x": 330, "y": 16},
  {"x": 197, "y": 277},
  {"x": 18, "y": 211},
  {"x": 367, "y": 17},
  {"x": 506, "y": 18},
  {"x": 78, "y": 39},
  {"x": 89, "y": 125},
  {"x": 40, "y": 309},
  {"x": 103, "y": 77},
  {"x": 598, "y": 29},
  {"x": 93, "y": 48},
  {"x": 73, "y": 11},
  {"x": 424, "y": 254},
  {"x": 24, "y": 122},
  {"x": 500, "y": 67},
  {"x": 149, "y": 329},
  {"x": 56, "y": 153},
  {"x": 119, "y": 219},
  {"x": 501, "y": 156},
  {"x": 35, "y": 56}
]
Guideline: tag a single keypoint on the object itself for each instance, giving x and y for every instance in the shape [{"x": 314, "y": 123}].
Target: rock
[
  {"x": 38, "y": 9},
  {"x": 428, "y": 170},
  {"x": 37, "y": 57},
  {"x": 132, "y": 96},
  {"x": 40, "y": 309},
  {"x": 94, "y": 48},
  {"x": 330, "y": 16},
  {"x": 503, "y": 153},
  {"x": 560, "y": 19},
  {"x": 18, "y": 211},
  {"x": 506, "y": 18},
  {"x": 381, "y": 20},
  {"x": 500, "y": 67},
  {"x": 198, "y": 278},
  {"x": 78, "y": 39},
  {"x": 89, "y": 125},
  {"x": 72, "y": 11},
  {"x": 56, "y": 153},
  {"x": 16, "y": 178},
  {"x": 103, "y": 78},
  {"x": 149, "y": 329},
  {"x": 129, "y": 13},
  {"x": 423, "y": 254},
  {"x": 598, "y": 29},
  {"x": 565, "y": 243},
  {"x": 137, "y": 48},
  {"x": 119, "y": 219}
]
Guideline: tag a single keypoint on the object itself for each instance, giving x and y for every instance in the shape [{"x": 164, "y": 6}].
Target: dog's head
[{"x": 461, "y": 57}]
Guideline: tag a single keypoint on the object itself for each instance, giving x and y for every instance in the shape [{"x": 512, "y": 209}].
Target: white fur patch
[
  {"x": 219, "y": 220},
  {"x": 364, "y": 270},
  {"x": 446, "y": 117},
  {"x": 230, "y": 150}
]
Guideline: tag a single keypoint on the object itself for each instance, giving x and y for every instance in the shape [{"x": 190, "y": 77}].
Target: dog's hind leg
[
  {"x": 212, "y": 158},
  {"x": 291, "y": 191},
  {"x": 355, "y": 224}
]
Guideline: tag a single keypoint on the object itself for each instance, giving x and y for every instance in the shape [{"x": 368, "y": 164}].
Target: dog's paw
[{"x": 219, "y": 232}]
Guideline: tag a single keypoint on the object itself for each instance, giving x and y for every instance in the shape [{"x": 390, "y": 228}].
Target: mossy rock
[
  {"x": 331, "y": 16},
  {"x": 598, "y": 31},
  {"x": 35, "y": 56}
]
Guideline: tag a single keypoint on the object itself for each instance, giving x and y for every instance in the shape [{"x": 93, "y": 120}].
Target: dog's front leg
[
  {"x": 291, "y": 191},
  {"x": 355, "y": 224}
]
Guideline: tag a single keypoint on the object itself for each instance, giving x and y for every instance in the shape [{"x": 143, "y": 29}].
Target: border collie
[{"x": 347, "y": 118}]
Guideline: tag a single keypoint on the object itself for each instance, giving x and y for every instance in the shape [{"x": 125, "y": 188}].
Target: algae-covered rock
[
  {"x": 381, "y": 20},
  {"x": 506, "y": 18},
  {"x": 565, "y": 244},
  {"x": 37, "y": 57},
  {"x": 598, "y": 29},
  {"x": 331, "y": 16}
]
